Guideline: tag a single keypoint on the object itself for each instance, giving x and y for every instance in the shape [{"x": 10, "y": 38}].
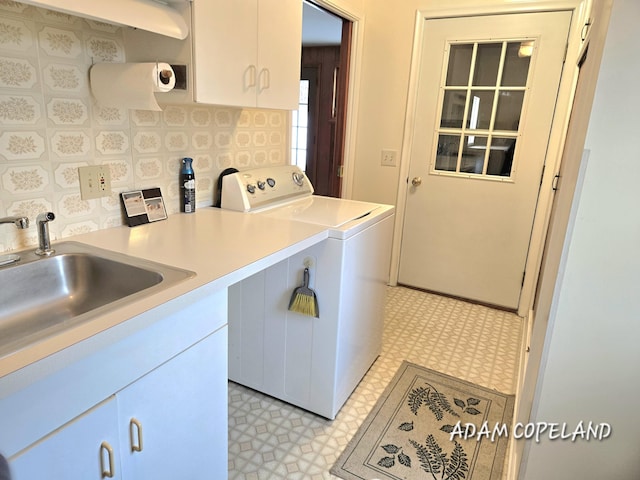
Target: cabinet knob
[{"x": 110, "y": 471}]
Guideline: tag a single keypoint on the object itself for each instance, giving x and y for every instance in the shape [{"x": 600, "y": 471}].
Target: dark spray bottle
[{"x": 187, "y": 187}]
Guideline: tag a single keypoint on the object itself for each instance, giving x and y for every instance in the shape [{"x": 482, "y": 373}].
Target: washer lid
[{"x": 327, "y": 211}]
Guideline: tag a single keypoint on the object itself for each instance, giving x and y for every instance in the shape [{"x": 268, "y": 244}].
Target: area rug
[{"x": 413, "y": 433}]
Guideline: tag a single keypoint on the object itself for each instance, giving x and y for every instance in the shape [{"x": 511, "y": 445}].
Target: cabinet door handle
[
  {"x": 265, "y": 79},
  {"x": 106, "y": 448},
  {"x": 135, "y": 435},
  {"x": 250, "y": 76}
]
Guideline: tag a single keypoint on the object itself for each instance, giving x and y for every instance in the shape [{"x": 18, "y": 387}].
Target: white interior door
[{"x": 485, "y": 103}]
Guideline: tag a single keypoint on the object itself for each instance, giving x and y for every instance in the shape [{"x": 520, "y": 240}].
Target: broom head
[{"x": 304, "y": 300}]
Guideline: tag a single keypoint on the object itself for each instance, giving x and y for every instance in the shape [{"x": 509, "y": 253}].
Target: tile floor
[{"x": 269, "y": 439}]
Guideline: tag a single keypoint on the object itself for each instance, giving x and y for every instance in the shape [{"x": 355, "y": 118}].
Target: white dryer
[{"x": 313, "y": 363}]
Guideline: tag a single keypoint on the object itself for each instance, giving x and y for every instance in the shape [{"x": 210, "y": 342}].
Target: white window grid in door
[{"x": 479, "y": 115}]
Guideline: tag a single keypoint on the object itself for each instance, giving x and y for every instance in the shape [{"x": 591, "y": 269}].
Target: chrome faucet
[
  {"x": 19, "y": 222},
  {"x": 44, "y": 243}
]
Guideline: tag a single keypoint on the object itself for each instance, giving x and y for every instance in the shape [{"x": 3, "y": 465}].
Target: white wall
[
  {"x": 591, "y": 359},
  {"x": 386, "y": 64}
]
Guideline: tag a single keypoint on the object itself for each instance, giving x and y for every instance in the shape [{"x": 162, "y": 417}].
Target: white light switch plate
[
  {"x": 95, "y": 181},
  {"x": 389, "y": 158}
]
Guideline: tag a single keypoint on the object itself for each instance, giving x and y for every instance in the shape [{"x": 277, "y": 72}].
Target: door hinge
[
  {"x": 566, "y": 50},
  {"x": 585, "y": 29},
  {"x": 542, "y": 174},
  {"x": 523, "y": 275},
  {"x": 340, "y": 171},
  {"x": 556, "y": 181}
]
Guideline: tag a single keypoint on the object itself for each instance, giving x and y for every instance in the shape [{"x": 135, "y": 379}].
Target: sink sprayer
[{"x": 44, "y": 242}]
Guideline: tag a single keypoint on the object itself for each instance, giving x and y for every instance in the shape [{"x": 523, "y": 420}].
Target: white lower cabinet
[
  {"x": 73, "y": 451},
  {"x": 171, "y": 423}
]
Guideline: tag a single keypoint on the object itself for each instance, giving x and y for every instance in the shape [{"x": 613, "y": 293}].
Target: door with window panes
[{"x": 486, "y": 96}]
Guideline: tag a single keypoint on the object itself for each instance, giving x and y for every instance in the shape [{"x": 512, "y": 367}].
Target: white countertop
[{"x": 221, "y": 247}]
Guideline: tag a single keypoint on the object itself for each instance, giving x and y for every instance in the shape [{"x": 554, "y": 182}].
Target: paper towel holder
[
  {"x": 165, "y": 76},
  {"x": 180, "y": 72}
]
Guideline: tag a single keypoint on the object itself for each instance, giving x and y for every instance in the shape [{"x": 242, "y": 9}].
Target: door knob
[{"x": 416, "y": 182}]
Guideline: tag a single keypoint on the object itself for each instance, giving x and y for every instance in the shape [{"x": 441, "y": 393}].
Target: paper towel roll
[{"x": 130, "y": 85}]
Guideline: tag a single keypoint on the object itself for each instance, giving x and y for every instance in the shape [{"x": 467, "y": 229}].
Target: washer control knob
[
  {"x": 261, "y": 184},
  {"x": 271, "y": 182},
  {"x": 298, "y": 178},
  {"x": 251, "y": 189}
]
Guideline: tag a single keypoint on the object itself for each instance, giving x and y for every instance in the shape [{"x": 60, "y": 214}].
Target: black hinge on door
[
  {"x": 523, "y": 275},
  {"x": 542, "y": 174}
]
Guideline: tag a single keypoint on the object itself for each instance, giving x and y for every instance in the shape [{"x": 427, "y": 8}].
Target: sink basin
[{"x": 42, "y": 296}]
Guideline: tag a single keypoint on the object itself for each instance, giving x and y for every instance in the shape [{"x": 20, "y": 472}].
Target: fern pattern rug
[{"x": 407, "y": 435}]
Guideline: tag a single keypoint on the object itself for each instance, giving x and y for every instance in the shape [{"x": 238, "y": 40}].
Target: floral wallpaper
[{"x": 50, "y": 126}]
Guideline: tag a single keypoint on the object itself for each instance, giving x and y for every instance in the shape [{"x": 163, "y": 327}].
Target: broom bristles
[{"x": 305, "y": 305}]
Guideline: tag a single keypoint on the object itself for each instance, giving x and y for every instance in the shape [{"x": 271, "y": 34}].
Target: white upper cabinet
[{"x": 243, "y": 53}]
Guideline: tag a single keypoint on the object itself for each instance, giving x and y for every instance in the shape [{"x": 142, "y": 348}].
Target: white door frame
[{"x": 556, "y": 138}]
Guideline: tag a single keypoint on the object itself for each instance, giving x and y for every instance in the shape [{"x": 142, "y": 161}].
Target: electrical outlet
[
  {"x": 95, "y": 181},
  {"x": 389, "y": 158}
]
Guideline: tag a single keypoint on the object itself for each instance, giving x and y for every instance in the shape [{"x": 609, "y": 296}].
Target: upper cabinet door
[
  {"x": 279, "y": 49},
  {"x": 225, "y": 35}
]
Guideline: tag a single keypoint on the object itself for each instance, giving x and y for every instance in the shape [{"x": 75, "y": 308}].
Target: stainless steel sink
[{"x": 40, "y": 297}]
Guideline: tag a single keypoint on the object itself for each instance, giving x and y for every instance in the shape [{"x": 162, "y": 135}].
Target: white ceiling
[{"x": 320, "y": 27}]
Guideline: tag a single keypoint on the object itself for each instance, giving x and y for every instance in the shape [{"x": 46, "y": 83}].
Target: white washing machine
[{"x": 313, "y": 363}]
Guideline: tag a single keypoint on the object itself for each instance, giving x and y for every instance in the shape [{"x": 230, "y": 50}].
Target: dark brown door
[{"x": 326, "y": 68}]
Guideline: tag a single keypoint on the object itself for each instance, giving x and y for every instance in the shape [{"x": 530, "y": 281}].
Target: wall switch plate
[
  {"x": 95, "y": 181},
  {"x": 389, "y": 158}
]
